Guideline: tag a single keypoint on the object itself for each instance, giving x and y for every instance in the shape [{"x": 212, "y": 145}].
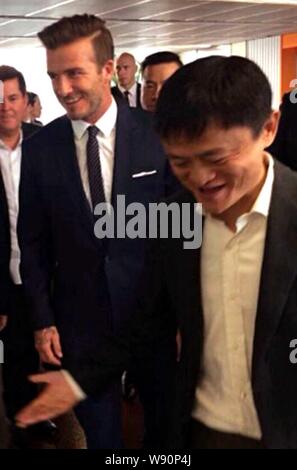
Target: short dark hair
[
  {"x": 227, "y": 91},
  {"x": 163, "y": 57},
  {"x": 31, "y": 97},
  {"x": 8, "y": 73},
  {"x": 72, "y": 28}
]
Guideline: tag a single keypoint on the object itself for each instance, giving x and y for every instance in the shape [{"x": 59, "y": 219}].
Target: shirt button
[{"x": 243, "y": 395}]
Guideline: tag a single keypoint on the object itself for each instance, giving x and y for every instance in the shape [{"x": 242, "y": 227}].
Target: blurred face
[
  {"x": 154, "y": 77},
  {"x": 80, "y": 84},
  {"x": 36, "y": 108},
  {"x": 126, "y": 70},
  {"x": 12, "y": 109},
  {"x": 223, "y": 169}
]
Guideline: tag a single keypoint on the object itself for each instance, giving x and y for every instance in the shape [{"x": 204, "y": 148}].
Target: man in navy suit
[{"x": 80, "y": 287}]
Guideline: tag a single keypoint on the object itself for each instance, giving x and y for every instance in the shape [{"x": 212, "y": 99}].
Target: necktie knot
[{"x": 93, "y": 131}]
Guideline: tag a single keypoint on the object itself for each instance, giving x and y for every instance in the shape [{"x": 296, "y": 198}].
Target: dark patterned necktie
[
  {"x": 94, "y": 168},
  {"x": 126, "y": 94}
]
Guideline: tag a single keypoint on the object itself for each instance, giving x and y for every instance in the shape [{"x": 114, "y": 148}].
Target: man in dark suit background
[
  {"x": 4, "y": 301},
  {"x": 155, "y": 70},
  {"x": 80, "y": 287},
  {"x": 284, "y": 147},
  {"x": 234, "y": 300},
  {"x": 127, "y": 88}
]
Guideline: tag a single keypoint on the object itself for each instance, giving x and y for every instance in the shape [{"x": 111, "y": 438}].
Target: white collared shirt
[
  {"x": 132, "y": 97},
  {"x": 10, "y": 164},
  {"x": 230, "y": 278},
  {"x": 106, "y": 140}
]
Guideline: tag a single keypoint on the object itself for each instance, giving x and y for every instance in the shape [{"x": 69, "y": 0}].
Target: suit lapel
[
  {"x": 279, "y": 265},
  {"x": 67, "y": 161},
  {"x": 187, "y": 279},
  {"x": 138, "y": 90},
  {"x": 125, "y": 143}
]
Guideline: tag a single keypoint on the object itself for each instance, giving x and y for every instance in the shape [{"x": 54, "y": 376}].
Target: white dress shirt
[
  {"x": 106, "y": 140},
  {"x": 132, "y": 97},
  {"x": 230, "y": 277},
  {"x": 10, "y": 164}
]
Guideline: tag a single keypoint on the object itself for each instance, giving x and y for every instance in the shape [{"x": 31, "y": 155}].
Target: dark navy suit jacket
[
  {"x": 117, "y": 94},
  {"x": 70, "y": 281},
  {"x": 5, "y": 280}
]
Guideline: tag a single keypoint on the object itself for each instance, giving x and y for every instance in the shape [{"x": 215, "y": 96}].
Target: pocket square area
[{"x": 144, "y": 173}]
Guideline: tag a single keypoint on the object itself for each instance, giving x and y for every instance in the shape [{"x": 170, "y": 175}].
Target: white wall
[
  {"x": 32, "y": 63},
  {"x": 239, "y": 49},
  {"x": 267, "y": 54}
]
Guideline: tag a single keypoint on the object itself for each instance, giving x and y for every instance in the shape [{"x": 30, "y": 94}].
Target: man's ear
[
  {"x": 270, "y": 128},
  {"x": 108, "y": 69}
]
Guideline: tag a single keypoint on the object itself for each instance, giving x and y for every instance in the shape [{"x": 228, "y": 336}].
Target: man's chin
[{"x": 75, "y": 116}]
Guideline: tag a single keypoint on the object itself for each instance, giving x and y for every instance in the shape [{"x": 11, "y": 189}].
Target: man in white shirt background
[{"x": 17, "y": 333}]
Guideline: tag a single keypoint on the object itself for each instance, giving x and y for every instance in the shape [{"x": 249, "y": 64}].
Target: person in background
[
  {"x": 36, "y": 108},
  {"x": 21, "y": 357},
  {"x": 284, "y": 147},
  {"x": 127, "y": 86},
  {"x": 155, "y": 70}
]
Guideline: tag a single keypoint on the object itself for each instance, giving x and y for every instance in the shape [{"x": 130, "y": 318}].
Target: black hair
[
  {"x": 226, "y": 91},
  {"x": 163, "y": 57}
]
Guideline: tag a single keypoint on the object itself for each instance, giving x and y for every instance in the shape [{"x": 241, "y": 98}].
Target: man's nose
[
  {"x": 5, "y": 105},
  {"x": 157, "y": 91},
  {"x": 62, "y": 86},
  {"x": 201, "y": 174}
]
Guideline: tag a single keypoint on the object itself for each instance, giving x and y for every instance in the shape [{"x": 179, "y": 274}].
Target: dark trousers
[
  {"x": 20, "y": 356},
  {"x": 4, "y": 438},
  {"x": 101, "y": 419},
  {"x": 202, "y": 437}
]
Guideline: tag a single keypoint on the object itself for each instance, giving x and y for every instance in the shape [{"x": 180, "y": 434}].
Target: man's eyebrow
[
  {"x": 71, "y": 69},
  {"x": 207, "y": 153}
]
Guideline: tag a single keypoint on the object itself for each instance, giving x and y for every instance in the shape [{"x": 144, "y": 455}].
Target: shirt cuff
[{"x": 78, "y": 392}]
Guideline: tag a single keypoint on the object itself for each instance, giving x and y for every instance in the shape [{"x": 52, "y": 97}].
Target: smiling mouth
[
  {"x": 210, "y": 190},
  {"x": 71, "y": 102}
]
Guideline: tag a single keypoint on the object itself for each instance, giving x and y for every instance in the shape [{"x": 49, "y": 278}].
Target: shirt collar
[
  {"x": 262, "y": 203},
  {"x": 3, "y": 146},
  {"x": 132, "y": 89},
  {"x": 105, "y": 124}
]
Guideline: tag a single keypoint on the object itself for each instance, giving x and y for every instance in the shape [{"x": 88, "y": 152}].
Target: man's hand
[
  {"x": 3, "y": 322},
  {"x": 56, "y": 398},
  {"x": 47, "y": 343}
]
